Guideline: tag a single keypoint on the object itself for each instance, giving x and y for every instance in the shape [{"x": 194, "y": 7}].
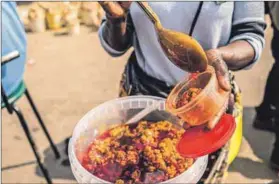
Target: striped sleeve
[{"x": 249, "y": 25}]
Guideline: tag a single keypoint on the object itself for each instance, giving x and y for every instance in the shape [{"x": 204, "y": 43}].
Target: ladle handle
[{"x": 150, "y": 13}]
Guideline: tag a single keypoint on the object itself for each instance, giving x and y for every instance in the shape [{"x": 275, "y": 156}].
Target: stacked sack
[{"x": 66, "y": 16}]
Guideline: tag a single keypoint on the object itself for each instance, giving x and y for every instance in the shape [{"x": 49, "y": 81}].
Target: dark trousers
[{"x": 269, "y": 108}]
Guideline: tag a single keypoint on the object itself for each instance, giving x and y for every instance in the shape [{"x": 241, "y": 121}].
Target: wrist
[{"x": 214, "y": 55}]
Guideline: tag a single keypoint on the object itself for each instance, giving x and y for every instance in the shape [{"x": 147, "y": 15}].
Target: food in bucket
[
  {"x": 143, "y": 152},
  {"x": 187, "y": 96}
]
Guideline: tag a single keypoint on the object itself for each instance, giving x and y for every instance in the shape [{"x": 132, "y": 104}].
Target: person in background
[
  {"x": 268, "y": 111},
  {"x": 13, "y": 39}
]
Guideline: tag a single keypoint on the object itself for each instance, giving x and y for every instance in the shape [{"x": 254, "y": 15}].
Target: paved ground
[{"x": 68, "y": 76}]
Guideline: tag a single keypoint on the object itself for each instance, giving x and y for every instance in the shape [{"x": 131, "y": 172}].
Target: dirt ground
[{"x": 69, "y": 75}]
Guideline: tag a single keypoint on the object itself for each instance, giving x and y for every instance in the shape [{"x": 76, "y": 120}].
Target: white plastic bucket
[{"x": 114, "y": 112}]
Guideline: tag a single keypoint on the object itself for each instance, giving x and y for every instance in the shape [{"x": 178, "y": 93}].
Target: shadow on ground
[
  {"x": 55, "y": 167},
  {"x": 14, "y": 166},
  {"x": 261, "y": 143}
]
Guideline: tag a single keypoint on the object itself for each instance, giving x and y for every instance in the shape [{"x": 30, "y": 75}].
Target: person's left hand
[{"x": 215, "y": 59}]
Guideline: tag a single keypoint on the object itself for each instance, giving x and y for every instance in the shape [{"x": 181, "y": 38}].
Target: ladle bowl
[{"x": 181, "y": 49}]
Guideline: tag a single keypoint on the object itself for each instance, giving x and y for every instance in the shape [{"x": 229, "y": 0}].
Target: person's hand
[
  {"x": 115, "y": 9},
  {"x": 215, "y": 59}
]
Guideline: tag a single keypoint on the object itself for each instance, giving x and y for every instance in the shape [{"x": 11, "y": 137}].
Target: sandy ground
[{"x": 69, "y": 75}]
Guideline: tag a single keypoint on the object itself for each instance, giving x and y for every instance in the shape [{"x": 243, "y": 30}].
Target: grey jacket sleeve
[
  {"x": 111, "y": 51},
  {"x": 249, "y": 25}
]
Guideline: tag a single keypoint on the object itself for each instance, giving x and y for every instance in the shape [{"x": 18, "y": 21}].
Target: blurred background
[{"x": 68, "y": 73}]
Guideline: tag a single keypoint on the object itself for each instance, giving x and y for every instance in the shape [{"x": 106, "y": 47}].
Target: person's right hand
[{"x": 116, "y": 9}]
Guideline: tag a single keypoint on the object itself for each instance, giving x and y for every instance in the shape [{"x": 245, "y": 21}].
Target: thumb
[
  {"x": 223, "y": 82},
  {"x": 213, "y": 122},
  {"x": 125, "y": 4},
  {"x": 222, "y": 74},
  {"x": 112, "y": 8}
]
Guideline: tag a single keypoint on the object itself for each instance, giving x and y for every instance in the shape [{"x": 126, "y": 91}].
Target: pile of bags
[{"x": 40, "y": 16}]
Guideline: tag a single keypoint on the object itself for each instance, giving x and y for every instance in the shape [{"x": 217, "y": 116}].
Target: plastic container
[
  {"x": 110, "y": 114},
  {"x": 205, "y": 105}
]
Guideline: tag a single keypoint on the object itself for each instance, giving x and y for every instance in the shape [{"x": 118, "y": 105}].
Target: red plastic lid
[{"x": 198, "y": 141}]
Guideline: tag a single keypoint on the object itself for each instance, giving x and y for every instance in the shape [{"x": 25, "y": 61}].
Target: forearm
[
  {"x": 237, "y": 54},
  {"x": 247, "y": 35},
  {"x": 116, "y": 34}
]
